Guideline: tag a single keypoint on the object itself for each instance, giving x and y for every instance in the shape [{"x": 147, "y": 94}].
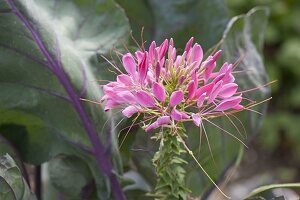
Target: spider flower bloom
[{"x": 168, "y": 88}]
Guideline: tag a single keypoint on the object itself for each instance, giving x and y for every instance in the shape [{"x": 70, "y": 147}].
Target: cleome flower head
[{"x": 169, "y": 88}]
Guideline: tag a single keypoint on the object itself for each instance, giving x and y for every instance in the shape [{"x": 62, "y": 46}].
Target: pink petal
[
  {"x": 152, "y": 51},
  {"x": 184, "y": 115},
  {"x": 129, "y": 111},
  {"x": 209, "y": 67},
  {"x": 124, "y": 79},
  {"x": 139, "y": 55},
  {"x": 176, "y": 98},
  {"x": 104, "y": 98},
  {"x": 225, "y": 67},
  {"x": 157, "y": 70},
  {"x": 201, "y": 99},
  {"x": 219, "y": 77},
  {"x": 159, "y": 92},
  {"x": 110, "y": 105},
  {"x": 129, "y": 63},
  {"x": 228, "y": 78},
  {"x": 206, "y": 88},
  {"x": 217, "y": 55},
  {"x": 178, "y": 116},
  {"x": 143, "y": 68},
  {"x": 163, "y": 120},
  {"x": 228, "y": 90},
  {"x": 196, "y": 119},
  {"x": 228, "y": 103},
  {"x": 145, "y": 99},
  {"x": 215, "y": 91},
  {"x": 195, "y": 78},
  {"x": 191, "y": 89},
  {"x": 171, "y": 43},
  {"x": 125, "y": 97},
  {"x": 238, "y": 107},
  {"x": 197, "y": 54},
  {"x": 189, "y": 45},
  {"x": 151, "y": 126},
  {"x": 172, "y": 53},
  {"x": 163, "y": 49},
  {"x": 181, "y": 79},
  {"x": 178, "y": 61}
]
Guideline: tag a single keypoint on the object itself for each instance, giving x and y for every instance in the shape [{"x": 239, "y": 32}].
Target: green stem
[{"x": 169, "y": 168}]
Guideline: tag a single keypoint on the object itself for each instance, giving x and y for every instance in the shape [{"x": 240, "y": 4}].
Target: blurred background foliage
[
  {"x": 277, "y": 149},
  {"x": 282, "y": 58}
]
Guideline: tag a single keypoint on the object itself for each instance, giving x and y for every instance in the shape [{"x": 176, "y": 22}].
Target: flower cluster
[{"x": 170, "y": 88}]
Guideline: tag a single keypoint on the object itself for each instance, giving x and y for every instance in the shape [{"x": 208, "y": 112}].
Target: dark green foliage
[{"x": 12, "y": 184}]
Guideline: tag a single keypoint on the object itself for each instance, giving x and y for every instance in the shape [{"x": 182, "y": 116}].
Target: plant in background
[
  {"x": 167, "y": 90},
  {"x": 49, "y": 61}
]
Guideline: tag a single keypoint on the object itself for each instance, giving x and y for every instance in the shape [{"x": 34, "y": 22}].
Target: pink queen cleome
[{"x": 169, "y": 88}]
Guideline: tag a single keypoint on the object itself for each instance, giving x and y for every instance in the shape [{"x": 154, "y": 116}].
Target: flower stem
[{"x": 169, "y": 168}]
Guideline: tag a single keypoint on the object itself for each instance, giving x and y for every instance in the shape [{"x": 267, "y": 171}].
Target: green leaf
[
  {"x": 13, "y": 185},
  {"x": 265, "y": 188},
  {"x": 180, "y": 19},
  {"x": 64, "y": 171},
  {"x": 6, "y": 148},
  {"x": 137, "y": 182},
  {"x": 45, "y": 47}
]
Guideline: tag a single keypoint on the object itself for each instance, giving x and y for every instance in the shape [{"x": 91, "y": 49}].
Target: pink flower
[{"x": 167, "y": 87}]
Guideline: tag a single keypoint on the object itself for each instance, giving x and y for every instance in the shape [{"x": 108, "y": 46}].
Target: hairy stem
[{"x": 169, "y": 168}]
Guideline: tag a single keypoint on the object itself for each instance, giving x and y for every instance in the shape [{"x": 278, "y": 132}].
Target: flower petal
[
  {"x": 145, "y": 99},
  {"x": 206, "y": 88},
  {"x": 191, "y": 89},
  {"x": 152, "y": 52},
  {"x": 209, "y": 66},
  {"x": 238, "y": 107},
  {"x": 163, "y": 120},
  {"x": 217, "y": 55},
  {"x": 197, "y": 55},
  {"x": 124, "y": 79},
  {"x": 215, "y": 91},
  {"x": 143, "y": 68},
  {"x": 225, "y": 67},
  {"x": 200, "y": 100},
  {"x": 151, "y": 126},
  {"x": 157, "y": 71},
  {"x": 129, "y": 111},
  {"x": 189, "y": 44},
  {"x": 110, "y": 105},
  {"x": 228, "y": 90},
  {"x": 228, "y": 103},
  {"x": 196, "y": 119},
  {"x": 184, "y": 115},
  {"x": 163, "y": 49},
  {"x": 139, "y": 55},
  {"x": 176, "y": 98},
  {"x": 176, "y": 115},
  {"x": 129, "y": 63},
  {"x": 159, "y": 92}
]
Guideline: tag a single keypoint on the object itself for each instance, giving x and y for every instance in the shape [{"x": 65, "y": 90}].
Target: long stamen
[{"x": 204, "y": 171}]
